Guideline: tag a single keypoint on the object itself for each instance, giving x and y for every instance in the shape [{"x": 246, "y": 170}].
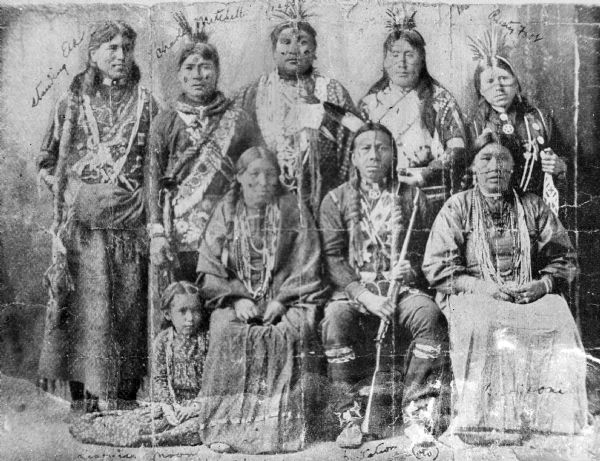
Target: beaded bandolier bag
[
  {"x": 185, "y": 183},
  {"x": 490, "y": 50}
]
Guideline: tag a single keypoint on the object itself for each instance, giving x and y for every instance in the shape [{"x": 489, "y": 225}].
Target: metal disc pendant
[
  {"x": 535, "y": 126},
  {"x": 374, "y": 193},
  {"x": 504, "y": 117},
  {"x": 507, "y": 128},
  {"x": 540, "y": 140}
]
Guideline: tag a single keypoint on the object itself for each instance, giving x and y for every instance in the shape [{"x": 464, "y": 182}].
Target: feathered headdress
[
  {"x": 402, "y": 23},
  {"x": 293, "y": 11},
  {"x": 198, "y": 36},
  {"x": 399, "y": 22},
  {"x": 491, "y": 48},
  {"x": 292, "y": 14}
]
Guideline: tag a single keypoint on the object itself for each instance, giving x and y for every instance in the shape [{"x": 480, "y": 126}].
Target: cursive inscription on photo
[{"x": 514, "y": 27}]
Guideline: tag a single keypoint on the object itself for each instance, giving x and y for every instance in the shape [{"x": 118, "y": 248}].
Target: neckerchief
[{"x": 216, "y": 107}]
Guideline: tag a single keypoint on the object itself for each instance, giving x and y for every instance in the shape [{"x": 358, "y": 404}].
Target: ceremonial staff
[{"x": 393, "y": 292}]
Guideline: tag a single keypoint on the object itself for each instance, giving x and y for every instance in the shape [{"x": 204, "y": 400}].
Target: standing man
[
  {"x": 193, "y": 150},
  {"x": 93, "y": 156},
  {"x": 287, "y": 105},
  {"x": 422, "y": 115}
]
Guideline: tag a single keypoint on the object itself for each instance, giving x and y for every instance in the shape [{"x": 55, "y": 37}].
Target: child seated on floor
[{"x": 178, "y": 355}]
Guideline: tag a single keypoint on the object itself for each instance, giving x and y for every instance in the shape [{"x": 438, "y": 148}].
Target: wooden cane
[{"x": 383, "y": 325}]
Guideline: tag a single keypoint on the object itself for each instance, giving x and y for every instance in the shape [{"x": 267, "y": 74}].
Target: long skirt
[
  {"x": 99, "y": 336},
  {"x": 252, "y": 395},
  {"x": 134, "y": 428},
  {"x": 518, "y": 368}
]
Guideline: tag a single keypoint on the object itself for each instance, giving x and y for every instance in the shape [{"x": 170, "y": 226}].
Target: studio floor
[{"x": 34, "y": 426}]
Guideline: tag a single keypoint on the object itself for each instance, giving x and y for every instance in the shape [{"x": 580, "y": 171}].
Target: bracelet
[{"x": 547, "y": 283}]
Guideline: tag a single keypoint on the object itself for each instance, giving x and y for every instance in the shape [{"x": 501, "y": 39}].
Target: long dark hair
[
  {"x": 355, "y": 242},
  {"x": 101, "y": 32},
  {"x": 426, "y": 83}
]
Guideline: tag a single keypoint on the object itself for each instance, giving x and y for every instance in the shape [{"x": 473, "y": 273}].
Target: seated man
[{"x": 358, "y": 220}]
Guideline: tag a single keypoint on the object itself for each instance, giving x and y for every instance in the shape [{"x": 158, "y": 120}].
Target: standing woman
[
  {"x": 258, "y": 269},
  {"x": 502, "y": 109},
  {"x": 193, "y": 150},
  {"x": 421, "y": 114},
  {"x": 93, "y": 154}
]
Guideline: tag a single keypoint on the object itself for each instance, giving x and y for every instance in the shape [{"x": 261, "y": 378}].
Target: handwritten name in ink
[
  {"x": 162, "y": 50},
  {"x": 43, "y": 86},
  {"x": 393, "y": 452},
  {"x": 514, "y": 27},
  {"x": 68, "y": 46},
  {"x": 222, "y": 15},
  {"x": 155, "y": 456},
  {"x": 528, "y": 390}
]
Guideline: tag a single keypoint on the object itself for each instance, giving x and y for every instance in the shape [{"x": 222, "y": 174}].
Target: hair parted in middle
[
  {"x": 182, "y": 287},
  {"x": 101, "y": 32},
  {"x": 403, "y": 27}
]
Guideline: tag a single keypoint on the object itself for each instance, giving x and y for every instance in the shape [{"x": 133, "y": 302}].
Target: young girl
[{"x": 177, "y": 363}]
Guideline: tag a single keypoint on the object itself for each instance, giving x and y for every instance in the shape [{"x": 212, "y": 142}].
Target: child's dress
[{"x": 177, "y": 367}]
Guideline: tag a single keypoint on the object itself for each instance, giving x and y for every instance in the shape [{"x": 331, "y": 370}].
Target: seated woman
[
  {"x": 499, "y": 260},
  {"x": 259, "y": 268},
  {"x": 177, "y": 363}
]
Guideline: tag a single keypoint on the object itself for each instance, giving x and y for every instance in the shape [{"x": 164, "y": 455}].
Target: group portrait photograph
[{"x": 299, "y": 230}]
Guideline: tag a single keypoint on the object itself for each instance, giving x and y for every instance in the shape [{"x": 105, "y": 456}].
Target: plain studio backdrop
[{"x": 43, "y": 47}]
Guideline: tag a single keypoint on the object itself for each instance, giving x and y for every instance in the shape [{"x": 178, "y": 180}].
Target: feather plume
[
  {"x": 490, "y": 47},
  {"x": 292, "y": 11},
  {"x": 199, "y": 36},
  {"x": 398, "y": 22}
]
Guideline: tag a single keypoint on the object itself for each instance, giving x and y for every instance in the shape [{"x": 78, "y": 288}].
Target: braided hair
[{"x": 391, "y": 183}]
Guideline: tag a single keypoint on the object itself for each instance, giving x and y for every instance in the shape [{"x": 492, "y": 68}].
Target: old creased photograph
[{"x": 299, "y": 230}]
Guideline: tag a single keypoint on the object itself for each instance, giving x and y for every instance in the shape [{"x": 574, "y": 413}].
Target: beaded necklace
[
  {"x": 243, "y": 245},
  {"x": 511, "y": 218}
]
